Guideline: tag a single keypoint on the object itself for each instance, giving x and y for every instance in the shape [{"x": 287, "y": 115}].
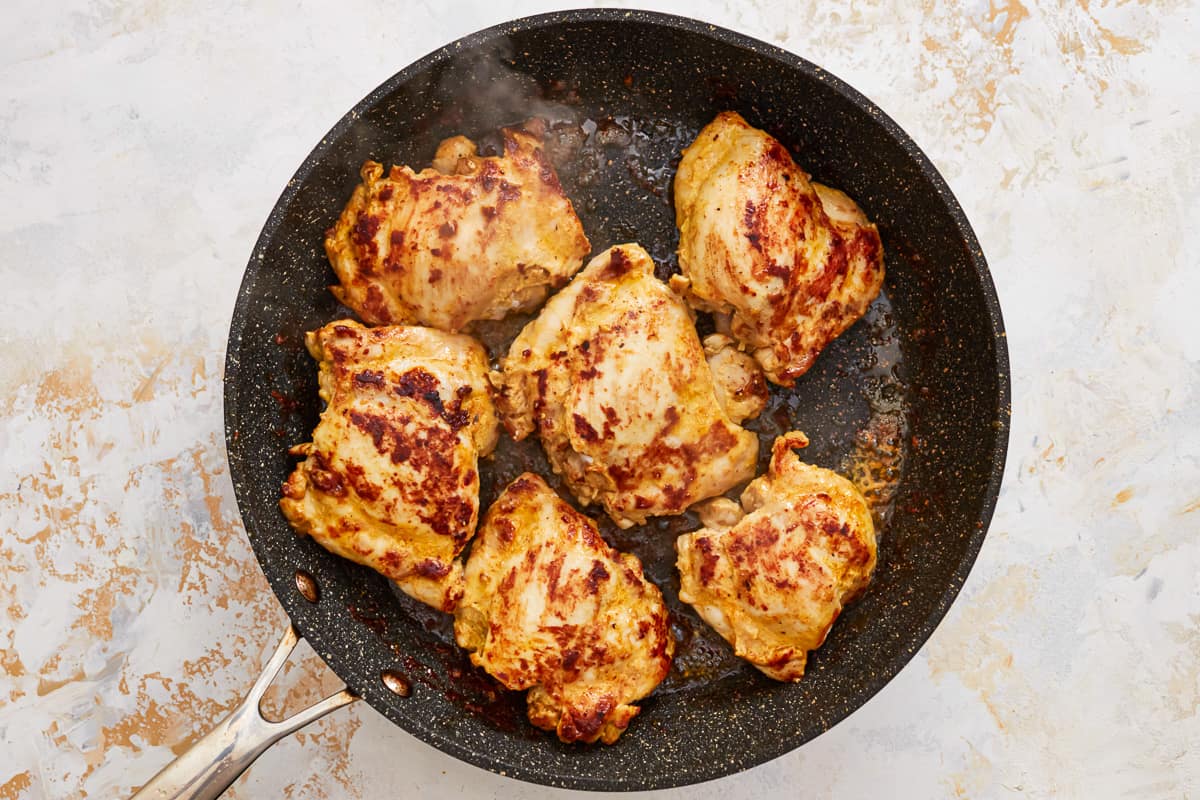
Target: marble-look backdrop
[{"x": 141, "y": 146}]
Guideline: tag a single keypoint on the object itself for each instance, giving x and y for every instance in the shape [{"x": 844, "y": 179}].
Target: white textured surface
[{"x": 140, "y": 150}]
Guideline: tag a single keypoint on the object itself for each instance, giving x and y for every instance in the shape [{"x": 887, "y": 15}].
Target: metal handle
[{"x": 207, "y": 769}]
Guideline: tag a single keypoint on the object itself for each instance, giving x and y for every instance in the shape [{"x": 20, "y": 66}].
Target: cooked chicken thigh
[
  {"x": 613, "y": 378},
  {"x": 772, "y": 576},
  {"x": 551, "y": 608},
  {"x": 390, "y": 478},
  {"x": 785, "y": 264},
  {"x": 474, "y": 238}
]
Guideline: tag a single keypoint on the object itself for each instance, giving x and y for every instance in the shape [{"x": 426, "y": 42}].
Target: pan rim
[{"x": 889, "y": 669}]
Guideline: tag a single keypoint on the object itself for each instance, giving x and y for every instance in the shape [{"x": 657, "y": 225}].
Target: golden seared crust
[
  {"x": 774, "y": 581},
  {"x": 549, "y": 607},
  {"x": 613, "y": 378},
  {"x": 788, "y": 265},
  {"x": 390, "y": 479},
  {"x": 475, "y": 238}
]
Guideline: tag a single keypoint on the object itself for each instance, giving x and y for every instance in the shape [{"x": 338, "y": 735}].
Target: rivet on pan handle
[{"x": 207, "y": 769}]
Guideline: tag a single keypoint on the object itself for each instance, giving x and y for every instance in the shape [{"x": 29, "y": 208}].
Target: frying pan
[{"x": 920, "y": 385}]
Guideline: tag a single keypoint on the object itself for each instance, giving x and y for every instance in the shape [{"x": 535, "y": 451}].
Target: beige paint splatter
[
  {"x": 96, "y": 603},
  {"x": 1183, "y": 686},
  {"x": 973, "y": 646},
  {"x": 984, "y": 57},
  {"x": 1125, "y": 45},
  {"x": 12, "y": 788},
  {"x": 1009, "y": 14},
  {"x": 10, "y": 662},
  {"x": 1049, "y": 457},
  {"x": 1133, "y": 553},
  {"x": 70, "y": 536},
  {"x": 977, "y": 69},
  {"x": 169, "y": 712},
  {"x": 976, "y": 779},
  {"x": 70, "y": 387},
  {"x": 145, "y": 390},
  {"x": 46, "y": 685},
  {"x": 10, "y": 659}
]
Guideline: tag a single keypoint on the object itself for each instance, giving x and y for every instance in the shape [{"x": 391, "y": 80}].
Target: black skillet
[{"x": 919, "y": 388}]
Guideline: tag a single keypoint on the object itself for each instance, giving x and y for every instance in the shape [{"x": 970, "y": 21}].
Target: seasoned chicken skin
[
  {"x": 785, "y": 264},
  {"x": 474, "y": 238},
  {"x": 551, "y": 608},
  {"x": 614, "y": 379},
  {"x": 772, "y": 576},
  {"x": 390, "y": 479}
]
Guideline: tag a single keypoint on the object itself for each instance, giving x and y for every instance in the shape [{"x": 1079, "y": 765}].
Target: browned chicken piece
[
  {"x": 785, "y": 265},
  {"x": 551, "y": 608},
  {"x": 473, "y": 238},
  {"x": 739, "y": 384},
  {"x": 614, "y": 379},
  {"x": 390, "y": 479},
  {"x": 773, "y": 575}
]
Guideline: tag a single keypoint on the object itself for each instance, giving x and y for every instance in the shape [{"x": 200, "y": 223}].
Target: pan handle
[{"x": 207, "y": 769}]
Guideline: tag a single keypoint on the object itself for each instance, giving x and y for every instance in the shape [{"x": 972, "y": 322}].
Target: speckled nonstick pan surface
[{"x": 918, "y": 390}]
